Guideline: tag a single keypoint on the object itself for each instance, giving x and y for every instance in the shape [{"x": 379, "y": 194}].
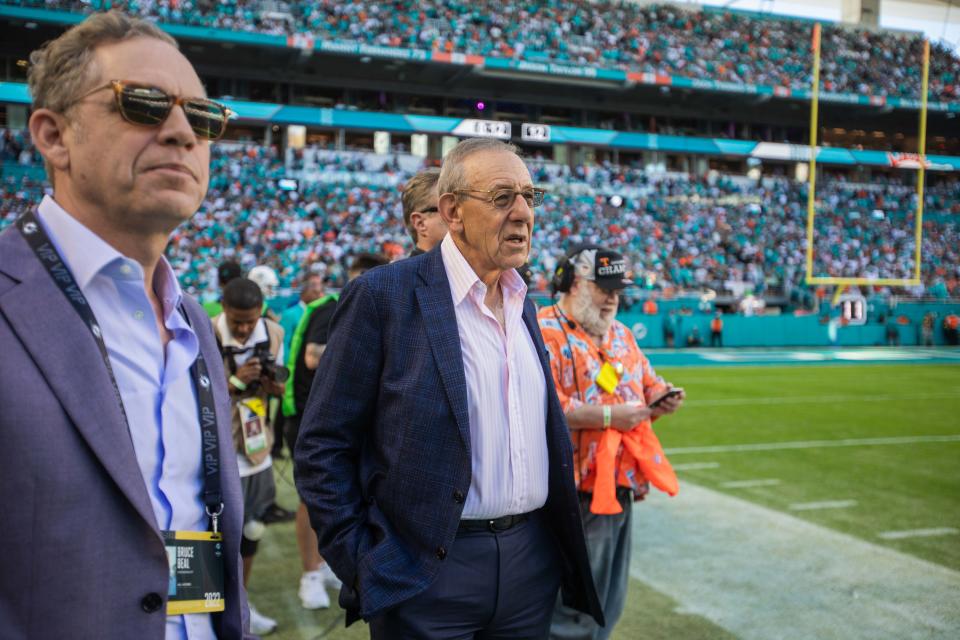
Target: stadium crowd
[
  {"x": 659, "y": 39},
  {"x": 15, "y": 146},
  {"x": 454, "y": 476},
  {"x": 719, "y": 232}
]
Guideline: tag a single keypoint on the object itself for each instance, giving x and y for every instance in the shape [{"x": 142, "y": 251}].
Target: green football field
[{"x": 815, "y": 501}]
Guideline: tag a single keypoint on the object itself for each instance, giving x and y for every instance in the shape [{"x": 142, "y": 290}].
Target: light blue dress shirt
[{"x": 155, "y": 382}]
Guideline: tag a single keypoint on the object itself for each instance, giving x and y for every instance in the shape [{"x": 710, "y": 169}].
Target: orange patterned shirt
[{"x": 575, "y": 379}]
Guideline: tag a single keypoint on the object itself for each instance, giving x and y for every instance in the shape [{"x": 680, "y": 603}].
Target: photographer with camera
[{"x": 251, "y": 346}]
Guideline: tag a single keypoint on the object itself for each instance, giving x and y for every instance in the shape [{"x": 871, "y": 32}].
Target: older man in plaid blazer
[{"x": 433, "y": 456}]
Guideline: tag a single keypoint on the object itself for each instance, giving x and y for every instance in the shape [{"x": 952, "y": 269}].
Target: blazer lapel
[
  {"x": 440, "y": 323},
  {"x": 67, "y": 355}
]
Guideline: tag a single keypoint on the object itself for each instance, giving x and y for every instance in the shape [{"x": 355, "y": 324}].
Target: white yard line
[
  {"x": 918, "y": 533},
  {"x": 750, "y": 484},
  {"x": 762, "y": 574},
  {"x": 812, "y": 444},
  {"x": 836, "y": 399},
  {"x": 825, "y": 356},
  {"x": 823, "y": 504},
  {"x": 695, "y": 466}
]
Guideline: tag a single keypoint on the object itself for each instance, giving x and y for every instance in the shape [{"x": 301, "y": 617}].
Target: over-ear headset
[
  {"x": 561, "y": 283},
  {"x": 566, "y": 271}
]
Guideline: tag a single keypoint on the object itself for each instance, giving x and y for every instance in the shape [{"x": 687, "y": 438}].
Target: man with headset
[{"x": 610, "y": 395}]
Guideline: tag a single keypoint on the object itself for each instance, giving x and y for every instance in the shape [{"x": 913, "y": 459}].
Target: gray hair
[
  {"x": 452, "y": 174},
  {"x": 60, "y": 70}
]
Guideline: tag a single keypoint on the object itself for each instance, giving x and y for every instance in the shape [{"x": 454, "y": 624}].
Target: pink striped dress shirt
[{"x": 506, "y": 395}]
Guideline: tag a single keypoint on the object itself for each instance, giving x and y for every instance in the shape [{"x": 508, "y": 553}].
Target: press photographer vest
[{"x": 275, "y": 340}]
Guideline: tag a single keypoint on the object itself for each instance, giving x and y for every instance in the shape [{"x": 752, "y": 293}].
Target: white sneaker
[
  {"x": 260, "y": 624},
  {"x": 312, "y": 593},
  {"x": 330, "y": 579}
]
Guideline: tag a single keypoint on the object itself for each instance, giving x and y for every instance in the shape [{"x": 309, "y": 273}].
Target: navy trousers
[{"x": 491, "y": 586}]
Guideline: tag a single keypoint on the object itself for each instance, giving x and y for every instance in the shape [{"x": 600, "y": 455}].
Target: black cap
[
  {"x": 227, "y": 271},
  {"x": 608, "y": 269}
]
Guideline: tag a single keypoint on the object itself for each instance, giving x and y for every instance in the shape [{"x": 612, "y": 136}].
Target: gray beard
[{"x": 586, "y": 314}]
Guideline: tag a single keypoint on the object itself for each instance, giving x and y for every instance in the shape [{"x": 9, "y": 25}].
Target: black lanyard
[{"x": 33, "y": 232}]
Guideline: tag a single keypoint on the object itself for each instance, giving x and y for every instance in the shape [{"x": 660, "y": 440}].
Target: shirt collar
[
  {"x": 463, "y": 278},
  {"x": 87, "y": 254},
  {"x": 167, "y": 287},
  {"x": 258, "y": 335}
]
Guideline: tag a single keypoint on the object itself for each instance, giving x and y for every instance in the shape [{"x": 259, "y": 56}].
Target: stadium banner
[
  {"x": 534, "y": 132},
  {"x": 456, "y": 58},
  {"x": 554, "y": 69},
  {"x": 914, "y": 161},
  {"x": 844, "y": 98},
  {"x": 432, "y": 124},
  {"x": 305, "y": 42},
  {"x": 734, "y": 147},
  {"x": 14, "y": 93},
  {"x": 800, "y": 153},
  {"x": 944, "y": 161},
  {"x": 374, "y": 51},
  {"x": 256, "y": 112},
  {"x": 780, "y": 151},
  {"x": 483, "y": 129},
  {"x": 302, "y": 41}
]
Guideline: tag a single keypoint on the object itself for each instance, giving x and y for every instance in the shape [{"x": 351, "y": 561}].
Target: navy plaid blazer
[{"x": 383, "y": 453}]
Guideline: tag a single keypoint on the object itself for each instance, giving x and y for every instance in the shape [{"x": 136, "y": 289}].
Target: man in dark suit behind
[
  {"x": 107, "y": 465},
  {"x": 421, "y": 215},
  {"x": 433, "y": 456}
]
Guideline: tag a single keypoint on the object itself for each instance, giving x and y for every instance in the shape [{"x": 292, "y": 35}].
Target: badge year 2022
[{"x": 196, "y": 571}]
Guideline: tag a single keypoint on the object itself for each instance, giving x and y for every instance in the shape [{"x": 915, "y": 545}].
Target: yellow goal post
[{"x": 843, "y": 282}]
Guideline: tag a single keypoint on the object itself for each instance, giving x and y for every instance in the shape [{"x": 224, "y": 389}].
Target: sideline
[
  {"x": 811, "y": 444},
  {"x": 811, "y": 356},
  {"x": 761, "y": 574},
  {"x": 722, "y": 402}
]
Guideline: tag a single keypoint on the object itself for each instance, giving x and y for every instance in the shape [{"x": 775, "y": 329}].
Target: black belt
[{"x": 495, "y": 525}]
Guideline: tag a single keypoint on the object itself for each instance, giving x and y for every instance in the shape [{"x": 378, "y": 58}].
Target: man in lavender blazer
[{"x": 94, "y": 468}]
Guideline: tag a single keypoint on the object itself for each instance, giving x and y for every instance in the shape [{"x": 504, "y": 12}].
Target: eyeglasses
[
  {"x": 428, "y": 210},
  {"x": 504, "y": 198},
  {"x": 149, "y": 106}
]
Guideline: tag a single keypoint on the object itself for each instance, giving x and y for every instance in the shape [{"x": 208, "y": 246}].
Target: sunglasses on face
[
  {"x": 149, "y": 106},
  {"x": 504, "y": 198}
]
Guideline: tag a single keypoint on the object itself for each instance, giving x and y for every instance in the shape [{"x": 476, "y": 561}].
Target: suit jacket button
[
  {"x": 441, "y": 552},
  {"x": 458, "y": 496},
  {"x": 152, "y": 602}
]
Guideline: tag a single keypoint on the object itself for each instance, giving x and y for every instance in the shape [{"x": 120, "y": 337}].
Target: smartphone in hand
[{"x": 672, "y": 392}]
